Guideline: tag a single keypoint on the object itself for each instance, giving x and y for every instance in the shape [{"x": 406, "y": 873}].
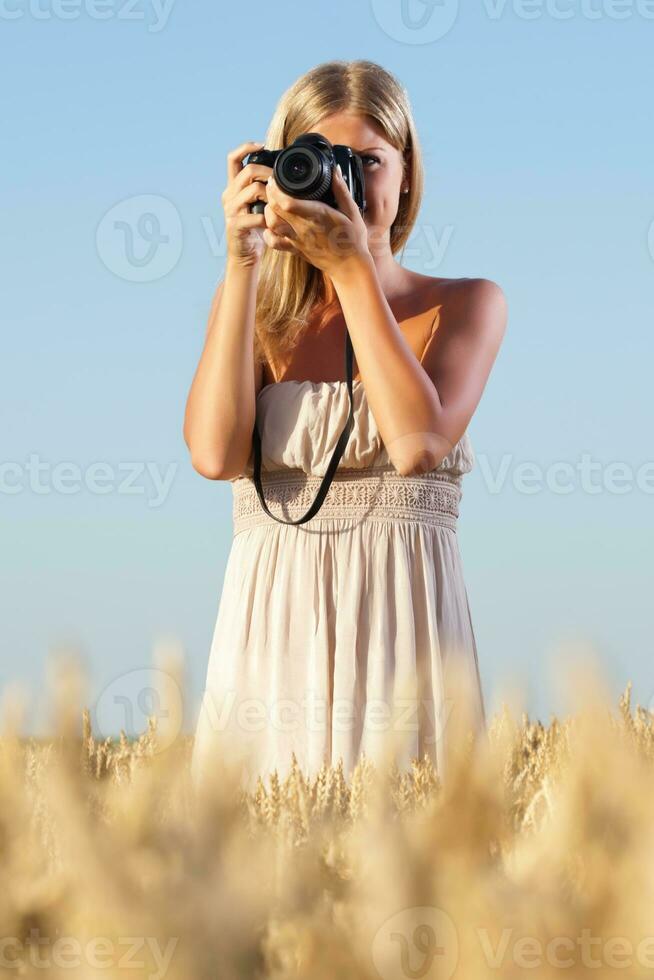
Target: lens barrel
[{"x": 303, "y": 171}]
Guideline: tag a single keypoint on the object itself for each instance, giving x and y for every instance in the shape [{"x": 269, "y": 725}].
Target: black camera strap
[{"x": 336, "y": 455}]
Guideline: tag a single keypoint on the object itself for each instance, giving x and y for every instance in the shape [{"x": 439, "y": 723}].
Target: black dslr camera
[{"x": 304, "y": 169}]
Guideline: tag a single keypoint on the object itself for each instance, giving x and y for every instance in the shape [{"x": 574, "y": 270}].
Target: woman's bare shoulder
[
  {"x": 463, "y": 306},
  {"x": 466, "y": 297},
  {"x": 462, "y": 286}
]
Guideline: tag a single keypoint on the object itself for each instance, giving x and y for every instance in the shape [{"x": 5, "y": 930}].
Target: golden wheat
[{"x": 532, "y": 858}]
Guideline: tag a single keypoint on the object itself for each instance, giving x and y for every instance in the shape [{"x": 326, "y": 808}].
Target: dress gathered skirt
[{"x": 335, "y": 634}]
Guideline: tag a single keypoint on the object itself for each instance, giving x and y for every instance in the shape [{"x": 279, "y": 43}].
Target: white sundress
[{"x": 331, "y": 632}]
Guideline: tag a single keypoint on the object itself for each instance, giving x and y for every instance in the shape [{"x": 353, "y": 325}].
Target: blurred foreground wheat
[{"x": 535, "y": 857}]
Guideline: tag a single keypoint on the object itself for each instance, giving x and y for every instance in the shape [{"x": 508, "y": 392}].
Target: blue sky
[{"x": 535, "y": 121}]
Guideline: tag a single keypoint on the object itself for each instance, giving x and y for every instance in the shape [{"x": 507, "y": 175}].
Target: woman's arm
[
  {"x": 221, "y": 405},
  {"x": 422, "y": 408}
]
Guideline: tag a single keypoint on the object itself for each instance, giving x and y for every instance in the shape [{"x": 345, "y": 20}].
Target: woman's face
[{"x": 383, "y": 166}]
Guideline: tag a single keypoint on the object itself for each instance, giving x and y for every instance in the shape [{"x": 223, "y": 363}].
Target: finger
[
  {"x": 246, "y": 220},
  {"x": 250, "y": 172},
  {"x": 284, "y": 204},
  {"x": 342, "y": 194},
  {"x": 255, "y": 191},
  {"x": 235, "y": 157}
]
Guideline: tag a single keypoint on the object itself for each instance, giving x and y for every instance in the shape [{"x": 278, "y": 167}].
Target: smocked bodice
[{"x": 299, "y": 423}]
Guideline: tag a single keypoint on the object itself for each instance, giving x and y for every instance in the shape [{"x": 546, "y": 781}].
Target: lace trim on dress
[{"x": 381, "y": 494}]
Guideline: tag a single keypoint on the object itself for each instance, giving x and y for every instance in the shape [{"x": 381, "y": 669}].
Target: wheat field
[{"x": 534, "y": 857}]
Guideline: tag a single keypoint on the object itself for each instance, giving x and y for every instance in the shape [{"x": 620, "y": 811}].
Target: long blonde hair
[{"x": 289, "y": 286}]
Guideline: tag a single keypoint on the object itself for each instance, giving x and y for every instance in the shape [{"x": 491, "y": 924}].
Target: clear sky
[{"x": 536, "y": 123}]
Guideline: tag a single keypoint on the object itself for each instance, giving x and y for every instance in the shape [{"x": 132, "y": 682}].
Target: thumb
[{"x": 342, "y": 194}]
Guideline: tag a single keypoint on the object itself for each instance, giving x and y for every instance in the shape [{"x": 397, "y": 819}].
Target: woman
[{"x": 346, "y": 635}]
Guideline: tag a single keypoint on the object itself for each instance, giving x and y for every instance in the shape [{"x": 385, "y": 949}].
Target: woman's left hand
[{"x": 321, "y": 234}]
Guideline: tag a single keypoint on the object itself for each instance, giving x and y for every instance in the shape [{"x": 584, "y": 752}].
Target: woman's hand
[
  {"x": 245, "y": 185},
  {"x": 324, "y": 236}
]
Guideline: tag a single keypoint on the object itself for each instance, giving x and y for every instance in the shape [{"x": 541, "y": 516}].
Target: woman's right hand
[{"x": 244, "y": 230}]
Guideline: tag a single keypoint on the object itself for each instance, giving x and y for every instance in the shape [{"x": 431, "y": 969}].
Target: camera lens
[
  {"x": 297, "y": 167},
  {"x": 303, "y": 171}
]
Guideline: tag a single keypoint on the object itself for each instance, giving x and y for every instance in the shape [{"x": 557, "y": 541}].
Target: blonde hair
[{"x": 289, "y": 286}]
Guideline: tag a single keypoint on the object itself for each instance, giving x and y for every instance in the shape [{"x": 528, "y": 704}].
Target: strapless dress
[{"x": 331, "y": 633}]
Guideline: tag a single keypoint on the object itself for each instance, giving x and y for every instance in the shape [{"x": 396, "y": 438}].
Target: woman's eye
[{"x": 367, "y": 157}]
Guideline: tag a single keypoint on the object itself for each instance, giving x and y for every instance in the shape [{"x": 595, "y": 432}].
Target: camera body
[{"x": 304, "y": 170}]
